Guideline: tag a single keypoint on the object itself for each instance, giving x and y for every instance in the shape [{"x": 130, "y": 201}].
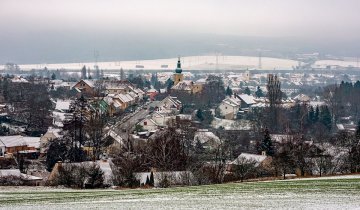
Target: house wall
[
  {"x": 197, "y": 88},
  {"x": 85, "y": 88},
  {"x": 148, "y": 125},
  {"x": 16, "y": 149},
  {"x": 227, "y": 111}
]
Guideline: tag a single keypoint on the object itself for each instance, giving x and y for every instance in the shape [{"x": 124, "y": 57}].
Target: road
[{"x": 125, "y": 127}]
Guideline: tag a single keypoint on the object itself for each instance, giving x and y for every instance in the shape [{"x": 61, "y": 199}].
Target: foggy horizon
[{"x": 65, "y": 31}]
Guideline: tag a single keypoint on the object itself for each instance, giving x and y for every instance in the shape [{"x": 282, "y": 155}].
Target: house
[
  {"x": 148, "y": 124},
  {"x": 86, "y": 87},
  {"x": 63, "y": 106},
  {"x": 18, "y": 79},
  {"x": 246, "y": 100},
  {"x": 207, "y": 139},
  {"x": 302, "y": 98},
  {"x": 181, "y": 85},
  {"x": 125, "y": 100},
  {"x": 152, "y": 93},
  {"x": 15, "y": 144},
  {"x": 28, "y": 179},
  {"x": 259, "y": 160},
  {"x": 51, "y": 134},
  {"x": 105, "y": 166},
  {"x": 169, "y": 105},
  {"x": 229, "y": 107}
]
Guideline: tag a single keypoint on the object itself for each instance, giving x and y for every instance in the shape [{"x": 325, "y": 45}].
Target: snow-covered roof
[
  {"x": 125, "y": 98},
  {"x": 201, "y": 81},
  {"x": 302, "y": 97},
  {"x": 63, "y": 105},
  {"x": 232, "y": 101},
  {"x": 17, "y": 173},
  {"x": 19, "y": 80},
  {"x": 89, "y": 82},
  {"x": 248, "y": 99},
  {"x": 280, "y": 137},
  {"x": 251, "y": 157},
  {"x": 13, "y": 141},
  {"x": 9, "y": 172},
  {"x": 183, "y": 85},
  {"x": 205, "y": 136},
  {"x": 32, "y": 141}
]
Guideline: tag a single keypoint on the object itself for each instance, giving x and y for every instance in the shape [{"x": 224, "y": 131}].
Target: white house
[
  {"x": 148, "y": 124},
  {"x": 207, "y": 139},
  {"x": 246, "y": 100},
  {"x": 169, "y": 105},
  {"x": 229, "y": 108}
]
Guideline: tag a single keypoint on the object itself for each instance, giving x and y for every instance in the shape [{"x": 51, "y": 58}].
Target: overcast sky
[{"x": 27, "y": 23}]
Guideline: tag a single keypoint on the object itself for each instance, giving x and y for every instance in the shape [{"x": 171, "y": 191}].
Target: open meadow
[{"x": 332, "y": 193}]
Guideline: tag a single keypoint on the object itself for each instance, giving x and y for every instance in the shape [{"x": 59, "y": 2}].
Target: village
[{"x": 156, "y": 130}]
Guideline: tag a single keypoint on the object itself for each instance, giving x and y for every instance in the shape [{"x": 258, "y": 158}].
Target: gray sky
[{"x": 25, "y": 23}]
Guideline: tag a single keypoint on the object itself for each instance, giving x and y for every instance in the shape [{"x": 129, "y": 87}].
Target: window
[{"x": 145, "y": 123}]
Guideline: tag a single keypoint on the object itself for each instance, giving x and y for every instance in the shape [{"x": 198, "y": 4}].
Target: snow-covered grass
[{"x": 339, "y": 193}]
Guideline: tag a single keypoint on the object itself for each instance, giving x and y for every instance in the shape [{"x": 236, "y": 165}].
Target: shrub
[{"x": 11, "y": 181}]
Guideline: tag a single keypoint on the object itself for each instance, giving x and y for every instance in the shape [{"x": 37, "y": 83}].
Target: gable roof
[
  {"x": 183, "y": 85},
  {"x": 232, "y": 101},
  {"x": 62, "y": 105},
  {"x": 248, "y": 99},
  {"x": 89, "y": 82},
  {"x": 252, "y": 157},
  {"x": 32, "y": 141},
  {"x": 12, "y": 141}
]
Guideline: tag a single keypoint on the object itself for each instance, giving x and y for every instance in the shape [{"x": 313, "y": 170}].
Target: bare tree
[{"x": 244, "y": 167}]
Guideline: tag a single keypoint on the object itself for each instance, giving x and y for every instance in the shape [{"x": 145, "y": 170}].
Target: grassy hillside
[{"x": 300, "y": 194}]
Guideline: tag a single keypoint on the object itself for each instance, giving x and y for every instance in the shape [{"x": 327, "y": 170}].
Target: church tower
[{"x": 178, "y": 76}]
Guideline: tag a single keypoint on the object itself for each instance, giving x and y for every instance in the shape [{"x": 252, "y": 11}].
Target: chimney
[{"x": 263, "y": 153}]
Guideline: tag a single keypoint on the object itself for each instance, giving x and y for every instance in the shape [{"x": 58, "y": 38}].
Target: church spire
[{"x": 178, "y": 67}]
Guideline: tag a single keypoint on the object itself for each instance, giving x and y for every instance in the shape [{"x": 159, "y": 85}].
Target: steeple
[{"x": 178, "y": 69}]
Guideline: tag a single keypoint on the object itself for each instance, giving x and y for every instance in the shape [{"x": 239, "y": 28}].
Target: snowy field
[
  {"x": 340, "y": 63},
  {"x": 188, "y": 63},
  {"x": 324, "y": 193}
]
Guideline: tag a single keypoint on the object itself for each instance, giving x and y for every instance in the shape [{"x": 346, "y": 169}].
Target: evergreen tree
[
  {"x": 122, "y": 74},
  {"x": 266, "y": 144},
  {"x": 53, "y": 76},
  {"x": 83, "y": 73},
  {"x": 200, "y": 115},
  {"x": 357, "y": 134},
  {"x": 247, "y": 91},
  {"x": 89, "y": 74},
  {"x": 325, "y": 117},
  {"x": 317, "y": 114},
  {"x": 169, "y": 83},
  {"x": 147, "y": 181},
  {"x": 228, "y": 91},
  {"x": 151, "y": 181},
  {"x": 311, "y": 117},
  {"x": 259, "y": 93},
  {"x": 97, "y": 72}
]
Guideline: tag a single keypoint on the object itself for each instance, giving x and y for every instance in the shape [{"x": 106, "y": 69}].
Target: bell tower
[{"x": 178, "y": 76}]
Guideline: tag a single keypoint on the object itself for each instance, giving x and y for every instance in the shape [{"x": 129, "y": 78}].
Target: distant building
[
  {"x": 85, "y": 86},
  {"x": 182, "y": 85}
]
